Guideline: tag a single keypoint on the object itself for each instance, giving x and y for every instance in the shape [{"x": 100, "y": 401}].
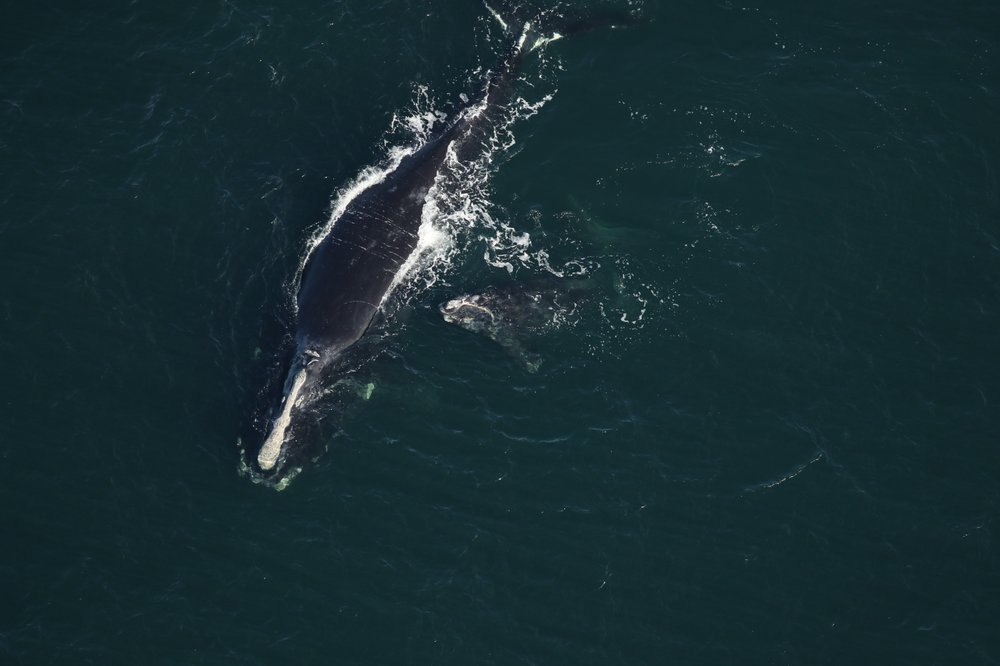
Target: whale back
[{"x": 351, "y": 270}]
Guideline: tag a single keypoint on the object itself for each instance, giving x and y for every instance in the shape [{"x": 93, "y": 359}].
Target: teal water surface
[{"x": 772, "y": 440}]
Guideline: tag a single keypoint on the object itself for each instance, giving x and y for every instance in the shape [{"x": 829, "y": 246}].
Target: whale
[
  {"x": 348, "y": 274},
  {"x": 509, "y": 314}
]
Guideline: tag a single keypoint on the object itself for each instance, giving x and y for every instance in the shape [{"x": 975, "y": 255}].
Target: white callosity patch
[{"x": 271, "y": 449}]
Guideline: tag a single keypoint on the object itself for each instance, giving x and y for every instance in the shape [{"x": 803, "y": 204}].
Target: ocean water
[{"x": 771, "y": 437}]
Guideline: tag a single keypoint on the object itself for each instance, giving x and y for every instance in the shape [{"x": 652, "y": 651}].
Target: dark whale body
[{"x": 349, "y": 273}]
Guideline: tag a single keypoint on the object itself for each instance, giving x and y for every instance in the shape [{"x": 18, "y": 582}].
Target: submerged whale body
[
  {"x": 349, "y": 273},
  {"x": 507, "y": 315}
]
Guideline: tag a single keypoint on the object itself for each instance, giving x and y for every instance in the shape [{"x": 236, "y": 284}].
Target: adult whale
[{"x": 349, "y": 273}]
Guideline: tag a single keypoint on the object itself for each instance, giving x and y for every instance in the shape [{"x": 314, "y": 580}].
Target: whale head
[
  {"x": 302, "y": 388},
  {"x": 469, "y": 312}
]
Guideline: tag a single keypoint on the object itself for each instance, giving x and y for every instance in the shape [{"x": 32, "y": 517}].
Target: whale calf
[
  {"x": 511, "y": 313},
  {"x": 349, "y": 273}
]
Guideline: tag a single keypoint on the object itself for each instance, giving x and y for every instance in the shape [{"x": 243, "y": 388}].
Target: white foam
[
  {"x": 524, "y": 36},
  {"x": 496, "y": 15},
  {"x": 543, "y": 41}
]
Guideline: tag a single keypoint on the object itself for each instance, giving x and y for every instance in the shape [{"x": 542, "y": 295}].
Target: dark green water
[{"x": 790, "y": 458}]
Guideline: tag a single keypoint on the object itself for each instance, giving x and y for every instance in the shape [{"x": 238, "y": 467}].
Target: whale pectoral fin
[
  {"x": 532, "y": 362},
  {"x": 527, "y": 359},
  {"x": 350, "y": 385}
]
